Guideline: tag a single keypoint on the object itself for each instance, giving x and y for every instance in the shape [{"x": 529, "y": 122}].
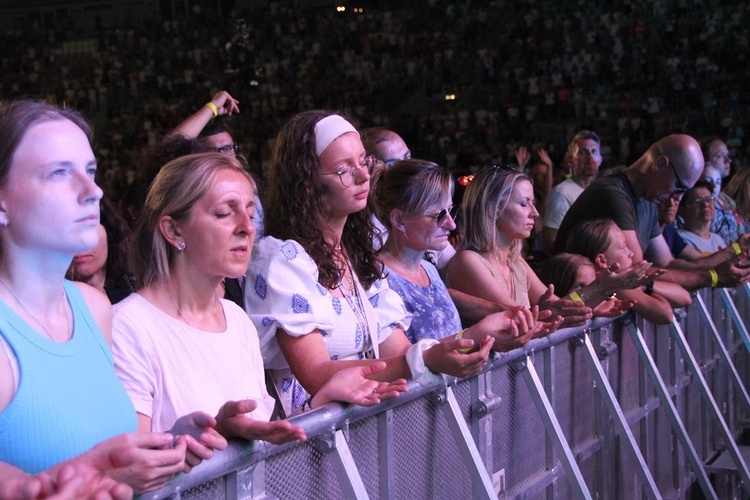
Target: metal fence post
[
  {"x": 547, "y": 414},
  {"x": 668, "y": 405}
]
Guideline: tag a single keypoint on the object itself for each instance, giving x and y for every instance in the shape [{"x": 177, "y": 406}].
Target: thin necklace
[
  {"x": 49, "y": 335},
  {"x": 179, "y": 311},
  {"x": 417, "y": 278},
  {"x": 507, "y": 281}
]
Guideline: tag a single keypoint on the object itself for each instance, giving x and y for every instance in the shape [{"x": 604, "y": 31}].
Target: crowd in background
[{"x": 523, "y": 73}]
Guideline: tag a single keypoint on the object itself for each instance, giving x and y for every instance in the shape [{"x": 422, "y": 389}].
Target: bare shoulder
[
  {"x": 466, "y": 259},
  {"x": 100, "y": 307}
]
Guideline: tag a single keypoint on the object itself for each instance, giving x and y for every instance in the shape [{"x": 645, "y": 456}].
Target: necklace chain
[
  {"x": 179, "y": 311},
  {"x": 416, "y": 277},
  {"x": 68, "y": 333}
]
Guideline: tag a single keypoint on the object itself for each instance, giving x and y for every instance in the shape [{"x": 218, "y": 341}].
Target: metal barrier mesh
[
  {"x": 364, "y": 440},
  {"x": 206, "y": 491},
  {"x": 518, "y": 436},
  {"x": 438, "y": 471},
  {"x": 301, "y": 472}
]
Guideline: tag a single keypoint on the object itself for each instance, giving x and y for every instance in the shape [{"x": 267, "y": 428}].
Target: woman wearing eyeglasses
[
  {"x": 315, "y": 289},
  {"x": 697, "y": 211},
  {"x": 413, "y": 199}
]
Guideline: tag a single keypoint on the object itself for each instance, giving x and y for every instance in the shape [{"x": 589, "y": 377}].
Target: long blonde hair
[{"x": 484, "y": 201}]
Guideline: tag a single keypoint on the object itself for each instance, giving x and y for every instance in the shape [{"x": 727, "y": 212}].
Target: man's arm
[
  {"x": 472, "y": 309},
  {"x": 729, "y": 270},
  {"x": 191, "y": 128}
]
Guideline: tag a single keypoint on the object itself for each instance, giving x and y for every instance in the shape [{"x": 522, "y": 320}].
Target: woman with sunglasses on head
[
  {"x": 498, "y": 214},
  {"x": 315, "y": 289},
  {"x": 62, "y": 408},
  {"x": 413, "y": 199}
]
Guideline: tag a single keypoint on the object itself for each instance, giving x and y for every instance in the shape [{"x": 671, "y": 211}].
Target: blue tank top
[{"x": 68, "y": 396}]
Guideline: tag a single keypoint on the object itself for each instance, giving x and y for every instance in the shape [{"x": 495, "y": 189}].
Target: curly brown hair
[{"x": 296, "y": 205}]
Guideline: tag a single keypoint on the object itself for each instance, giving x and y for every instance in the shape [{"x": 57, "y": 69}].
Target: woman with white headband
[{"x": 315, "y": 289}]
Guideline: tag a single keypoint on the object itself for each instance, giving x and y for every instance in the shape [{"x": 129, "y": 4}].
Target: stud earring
[
  {"x": 180, "y": 246},
  {"x": 4, "y": 221}
]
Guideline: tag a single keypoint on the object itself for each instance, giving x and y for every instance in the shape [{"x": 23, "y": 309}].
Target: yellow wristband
[
  {"x": 737, "y": 249},
  {"x": 574, "y": 295},
  {"x": 714, "y": 278},
  {"x": 212, "y": 107},
  {"x": 459, "y": 336}
]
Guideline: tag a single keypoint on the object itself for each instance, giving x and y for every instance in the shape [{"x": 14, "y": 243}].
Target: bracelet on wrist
[
  {"x": 736, "y": 247},
  {"x": 714, "y": 278},
  {"x": 459, "y": 336},
  {"x": 574, "y": 295},
  {"x": 649, "y": 288},
  {"x": 213, "y": 108}
]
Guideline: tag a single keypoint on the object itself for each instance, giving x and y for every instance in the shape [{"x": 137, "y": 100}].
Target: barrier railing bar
[
  {"x": 550, "y": 385},
  {"x": 385, "y": 456},
  {"x": 480, "y": 477},
  {"x": 554, "y": 431},
  {"x": 722, "y": 349},
  {"x": 708, "y": 398},
  {"x": 248, "y": 482},
  {"x": 615, "y": 412},
  {"x": 736, "y": 318},
  {"x": 671, "y": 411}
]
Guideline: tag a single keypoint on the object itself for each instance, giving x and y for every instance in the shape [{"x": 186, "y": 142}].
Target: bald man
[
  {"x": 385, "y": 145},
  {"x": 668, "y": 168}
]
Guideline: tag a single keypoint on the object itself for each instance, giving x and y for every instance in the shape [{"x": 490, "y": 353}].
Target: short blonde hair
[
  {"x": 177, "y": 188},
  {"x": 411, "y": 186}
]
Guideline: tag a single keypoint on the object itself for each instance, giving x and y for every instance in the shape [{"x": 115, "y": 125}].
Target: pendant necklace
[{"x": 68, "y": 332}]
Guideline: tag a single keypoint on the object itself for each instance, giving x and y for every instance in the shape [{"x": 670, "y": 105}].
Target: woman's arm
[
  {"x": 653, "y": 308},
  {"x": 673, "y": 293},
  {"x": 191, "y": 128},
  {"x": 309, "y": 360}
]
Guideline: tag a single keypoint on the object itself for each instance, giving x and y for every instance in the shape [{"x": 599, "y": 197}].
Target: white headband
[{"x": 329, "y": 129}]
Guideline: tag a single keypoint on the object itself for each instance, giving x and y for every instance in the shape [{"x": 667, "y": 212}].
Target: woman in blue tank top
[{"x": 63, "y": 412}]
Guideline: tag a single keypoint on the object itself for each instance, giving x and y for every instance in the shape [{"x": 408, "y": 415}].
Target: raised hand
[
  {"x": 522, "y": 157},
  {"x": 225, "y": 103}
]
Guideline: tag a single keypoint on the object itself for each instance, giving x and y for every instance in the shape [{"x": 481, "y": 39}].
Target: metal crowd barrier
[{"x": 617, "y": 409}]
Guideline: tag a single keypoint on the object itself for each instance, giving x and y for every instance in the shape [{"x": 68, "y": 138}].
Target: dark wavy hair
[
  {"x": 296, "y": 205},
  {"x": 117, "y": 272}
]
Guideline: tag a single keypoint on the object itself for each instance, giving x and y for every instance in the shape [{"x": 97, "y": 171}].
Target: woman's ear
[
  {"x": 169, "y": 228},
  {"x": 601, "y": 261},
  {"x": 397, "y": 219}
]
